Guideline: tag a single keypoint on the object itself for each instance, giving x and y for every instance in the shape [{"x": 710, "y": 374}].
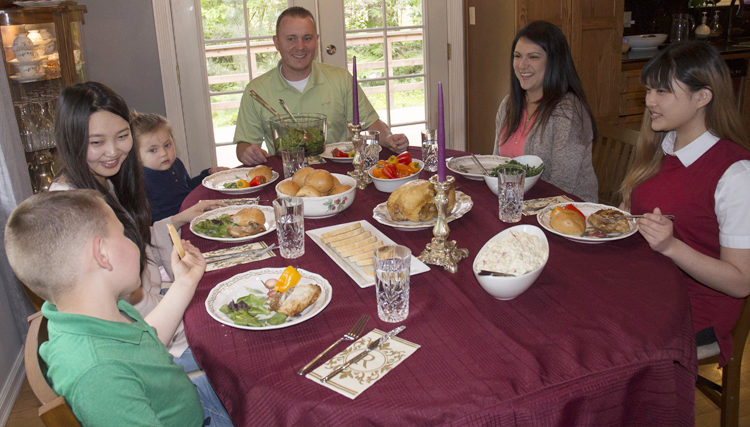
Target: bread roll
[
  {"x": 339, "y": 189},
  {"x": 299, "y": 176},
  {"x": 335, "y": 181},
  {"x": 248, "y": 215},
  {"x": 261, "y": 170},
  {"x": 568, "y": 222},
  {"x": 415, "y": 202},
  {"x": 288, "y": 187},
  {"x": 308, "y": 191},
  {"x": 320, "y": 179}
]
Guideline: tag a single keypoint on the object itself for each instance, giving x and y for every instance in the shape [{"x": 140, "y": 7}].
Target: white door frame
[{"x": 183, "y": 67}]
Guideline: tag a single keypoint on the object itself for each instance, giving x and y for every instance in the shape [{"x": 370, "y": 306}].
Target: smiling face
[
  {"x": 109, "y": 144},
  {"x": 124, "y": 255},
  {"x": 157, "y": 149},
  {"x": 529, "y": 64},
  {"x": 678, "y": 110},
  {"x": 297, "y": 42}
]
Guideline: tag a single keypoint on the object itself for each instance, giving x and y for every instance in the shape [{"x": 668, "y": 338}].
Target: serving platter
[
  {"x": 460, "y": 208},
  {"x": 343, "y": 146},
  {"x": 38, "y": 3},
  {"x": 270, "y": 223},
  {"x": 217, "y": 181},
  {"x": 350, "y": 268},
  {"x": 466, "y": 167},
  {"x": 251, "y": 282},
  {"x": 543, "y": 217}
]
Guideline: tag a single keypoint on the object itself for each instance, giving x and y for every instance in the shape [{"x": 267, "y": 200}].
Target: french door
[{"x": 401, "y": 48}]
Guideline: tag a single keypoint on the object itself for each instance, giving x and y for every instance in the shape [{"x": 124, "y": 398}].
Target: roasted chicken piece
[
  {"x": 415, "y": 202},
  {"x": 295, "y": 300},
  {"x": 619, "y": 226},
  {"x": 250, "y": 229}
]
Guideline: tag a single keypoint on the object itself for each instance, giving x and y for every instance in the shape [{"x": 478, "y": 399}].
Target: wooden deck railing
[{"x": 259, "y": 47}]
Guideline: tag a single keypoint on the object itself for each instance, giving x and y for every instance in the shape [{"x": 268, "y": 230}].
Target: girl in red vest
[{"x": 692, "y": 161}]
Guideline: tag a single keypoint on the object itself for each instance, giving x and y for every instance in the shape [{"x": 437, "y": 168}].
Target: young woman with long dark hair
[
  {"x": 692, "y": 161},
  {"x": 93, "y": 136},
  {"x": 546, "y": 113}
]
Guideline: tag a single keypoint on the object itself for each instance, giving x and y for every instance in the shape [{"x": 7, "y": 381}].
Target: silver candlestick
[
  {"x": 359, "y": 174},
  {"x": 440, "y": 250}
]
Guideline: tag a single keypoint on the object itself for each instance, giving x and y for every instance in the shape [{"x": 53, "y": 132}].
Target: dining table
[{"x": 603, "y": 337}]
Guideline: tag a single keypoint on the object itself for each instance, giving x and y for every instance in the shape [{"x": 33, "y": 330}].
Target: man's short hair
[
  {"x": 294, "y": 12},
  {"x": 45, "y": 235}
]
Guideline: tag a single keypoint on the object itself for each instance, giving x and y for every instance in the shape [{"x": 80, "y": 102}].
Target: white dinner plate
[
  {"x": 21, "y": 79},
  {"x": 270, "y": 223},
  {"x": 38, "y": 3},
  {"x": 251, "y": 282},
  {"x": 462, "y": 206},
  {"x": 543, "y": 217},
  {"x": 352, "y": 269},
  {"x": 343, "y": 146},
  {"x": 466, "y": 167},
  {"x": 217, "y": 181}
]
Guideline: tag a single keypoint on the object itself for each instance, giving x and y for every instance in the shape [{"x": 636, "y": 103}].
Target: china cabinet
[{"x": 42, "y": 53}]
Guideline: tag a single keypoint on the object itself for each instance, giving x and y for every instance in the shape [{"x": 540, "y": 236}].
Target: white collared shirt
[{"x": 732, "y": 195}]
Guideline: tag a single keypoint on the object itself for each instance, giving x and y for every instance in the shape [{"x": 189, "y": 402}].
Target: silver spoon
[
  {"x": 479, "y": 164},
  {"x": 305, "y": 136}
]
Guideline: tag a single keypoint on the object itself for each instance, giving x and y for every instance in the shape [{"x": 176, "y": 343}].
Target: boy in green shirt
[{"x": 111, "y": 364}]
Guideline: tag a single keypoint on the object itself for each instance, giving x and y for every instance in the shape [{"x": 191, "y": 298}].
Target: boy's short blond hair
[
  {"x": 143, "y": 123},
  {"x": 45, "y": 235}
]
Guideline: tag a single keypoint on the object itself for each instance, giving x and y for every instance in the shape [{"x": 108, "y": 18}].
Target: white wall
[{"x": 121, "y": 52}]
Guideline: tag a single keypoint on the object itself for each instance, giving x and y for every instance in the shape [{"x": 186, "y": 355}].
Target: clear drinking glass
[
  {"x": 370, "y": 148},
  {"x": 510, "y": 182},
  {"x": 293, "y": 159},
  {"x": 392, "y": 266},
  {"x": 429, "y": 149},
  {"x": 290, "y": 226}
]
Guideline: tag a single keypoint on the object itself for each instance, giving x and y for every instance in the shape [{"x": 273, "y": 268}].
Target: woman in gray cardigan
[{"x": 546, "y": 113}]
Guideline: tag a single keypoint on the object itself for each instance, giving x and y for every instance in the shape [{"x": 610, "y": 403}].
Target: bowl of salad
[
  {"x": 306, "y": 130},
  {"x": 388, "y": 175},
  {"x": 532, "y": 164}
]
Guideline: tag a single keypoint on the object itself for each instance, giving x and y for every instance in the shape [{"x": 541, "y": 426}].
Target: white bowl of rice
[{"x": 521, "y": 251}]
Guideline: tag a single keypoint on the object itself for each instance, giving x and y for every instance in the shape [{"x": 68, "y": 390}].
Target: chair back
[
  {"x": 54, "y": 411},
  {"x": 612, "y": 154},
  {"x": 727, "y": 395}
]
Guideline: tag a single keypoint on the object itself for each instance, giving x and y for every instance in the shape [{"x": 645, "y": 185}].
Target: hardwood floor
[{"x": 24, "y": 412}]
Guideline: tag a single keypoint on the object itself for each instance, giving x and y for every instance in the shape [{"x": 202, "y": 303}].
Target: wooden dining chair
[
  {"x": 612, "y": 154},
  {"x": 727, "y": 395},
  {"x": 54, "y": 412}
]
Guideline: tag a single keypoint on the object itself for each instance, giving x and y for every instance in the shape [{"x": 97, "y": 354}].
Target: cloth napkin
[
  {"x": 239, "y": 260},
  {"x": 314, "y": 160},
  {"x": 357, "y": 378},
  {"x": 533, "y": 206}
]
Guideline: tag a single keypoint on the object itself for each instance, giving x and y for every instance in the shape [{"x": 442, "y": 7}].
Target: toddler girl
[{"x": 167, "y": 180}]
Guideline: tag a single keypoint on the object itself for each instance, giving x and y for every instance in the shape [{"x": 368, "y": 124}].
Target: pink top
[{"x": 513, "y": 147}]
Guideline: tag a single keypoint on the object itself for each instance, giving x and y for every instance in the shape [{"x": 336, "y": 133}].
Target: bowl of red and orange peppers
[{"x": 390, "y": 174}]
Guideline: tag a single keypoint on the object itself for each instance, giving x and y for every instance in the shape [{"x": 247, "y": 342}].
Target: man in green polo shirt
[{"x": 305, "y": 86}]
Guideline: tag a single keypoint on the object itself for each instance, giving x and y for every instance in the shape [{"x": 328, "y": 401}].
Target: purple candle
[
  {"x": 441, "y": 135},
  {"x": 355, "y": 93}
]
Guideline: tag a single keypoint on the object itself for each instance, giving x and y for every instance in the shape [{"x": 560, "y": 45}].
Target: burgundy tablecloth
[{"x": 603, "y": 337}]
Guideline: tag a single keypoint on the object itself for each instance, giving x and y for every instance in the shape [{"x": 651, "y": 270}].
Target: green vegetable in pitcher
[{"x": 295, "y": 138}]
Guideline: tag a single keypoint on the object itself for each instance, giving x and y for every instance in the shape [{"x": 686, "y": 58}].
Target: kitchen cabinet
[
  {"x": 593, "y": 29},
  {"x": 42, "y": 54},
  {"x": 632, "y": 98}
]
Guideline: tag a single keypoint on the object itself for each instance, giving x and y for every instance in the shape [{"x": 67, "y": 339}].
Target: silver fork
[
  {"x": 253, "y": 253},
  {"x": 352, "y": 335},
  {"x": 613, "y": 220}
]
